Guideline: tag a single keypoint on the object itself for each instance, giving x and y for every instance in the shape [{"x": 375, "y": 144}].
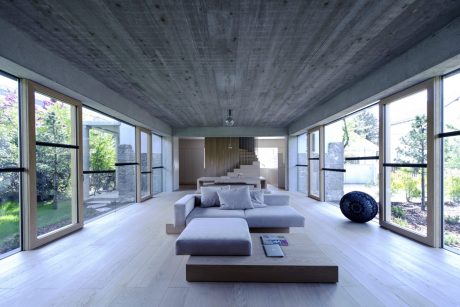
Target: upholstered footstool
[{"x": 215, "y": 237}]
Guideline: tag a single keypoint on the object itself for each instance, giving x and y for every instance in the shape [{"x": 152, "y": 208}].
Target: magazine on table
[{"x": 274, "y": 239}]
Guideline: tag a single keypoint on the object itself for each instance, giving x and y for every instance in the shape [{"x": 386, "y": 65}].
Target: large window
[
  {"x": 351, "y": 155},
  {"x": 157, "y": 164},
  {"x": 451, "y": 161},
  {"x": 405, "y": 160},
  {"x": 109, "y": 164},
  {"x": 10, "y": 170},
  {"x": 302, "y": 165},
  {"x": 56, "y": 162}
]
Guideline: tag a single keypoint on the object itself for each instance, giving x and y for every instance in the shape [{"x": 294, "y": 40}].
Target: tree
[
  {"x": 102, "y": 158},
  {"x": 53, "y": 163},
  {"x": 413, "y": 149},
  {"x": 367, "y": 126}
]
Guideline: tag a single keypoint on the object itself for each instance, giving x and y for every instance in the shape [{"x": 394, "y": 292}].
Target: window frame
[
  {"x": 31, "y": 239},
  {"x": 432, "y": 167}
]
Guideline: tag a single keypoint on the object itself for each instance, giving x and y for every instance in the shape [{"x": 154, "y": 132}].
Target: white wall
[
  {"x": 278, "y": 176},
  {"x": 191, "y": 160}
]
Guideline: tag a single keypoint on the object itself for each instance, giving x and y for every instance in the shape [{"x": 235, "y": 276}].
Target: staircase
[{"x": 249, "y": 165}]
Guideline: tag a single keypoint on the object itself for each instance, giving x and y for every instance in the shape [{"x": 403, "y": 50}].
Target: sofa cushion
[
  {"x": 215, "y": 237},
  {"x": 199, "y": 212},
  {"x": 209, "y": 197},
  {"x": 274, "y": 216},
  {"x": 257, "y": 198},
  {"x": 235, "y": 199}
]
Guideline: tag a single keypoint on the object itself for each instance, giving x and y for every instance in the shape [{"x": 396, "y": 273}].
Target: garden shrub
[
  {"x": 398, "y": 212},
  {"x": 452, "y": 220}
]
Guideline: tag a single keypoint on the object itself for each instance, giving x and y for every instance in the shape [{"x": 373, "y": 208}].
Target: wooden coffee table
[{"x": 303, "y": 262}]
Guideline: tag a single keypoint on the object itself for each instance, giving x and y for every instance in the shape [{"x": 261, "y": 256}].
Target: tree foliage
[
  {"x": 413, "y": 149},
  {"x": 102, "y": 158},
  {"x": 53, "y": 124},
  {"x": 367, "y": 126}
]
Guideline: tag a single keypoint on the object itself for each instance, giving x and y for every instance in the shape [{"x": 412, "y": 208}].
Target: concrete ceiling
[{"x": 187, "y": 62}]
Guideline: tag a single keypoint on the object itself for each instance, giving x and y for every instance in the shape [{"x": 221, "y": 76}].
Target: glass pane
[
  {"x": 407, "y": 124},
  {"x": 9, "y": 123},
  {"x": 144, "y": 152},
  {"x": 101, "y": 196},
  {"x": 451, "y": 99},
  {"x": 145, "y": 191},
  {"x": 451, "y": 180},
  {"x": 105, "y": 142},
  {"x": 407, "y": 198},
  {"x": 157, "y": 180},
  {"x": 9, "y": 212},
  {"x": 334, "y": 140},
  {"x": 314, "y": 177},
  {"x": 55, "y": 195},
  {"x": 362, "y": 175},
  {"x": 361, "y": 133},
  {"x": 157, "y": 149},
  {"x": 314, "y": 144},
  {"x": 53, "y": 120},
  {"x": 302, "y": 149},
  {"x": 127, "y": 143},
  {"x": 302, "y": 179},
  {"x": 126, "y": 184}
]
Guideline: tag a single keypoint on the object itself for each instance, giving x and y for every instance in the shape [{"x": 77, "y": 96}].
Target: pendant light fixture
[{"x": 229, "y": 122}]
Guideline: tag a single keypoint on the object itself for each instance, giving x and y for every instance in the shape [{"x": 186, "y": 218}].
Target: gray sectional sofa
[{"x": 277, "y": 213}]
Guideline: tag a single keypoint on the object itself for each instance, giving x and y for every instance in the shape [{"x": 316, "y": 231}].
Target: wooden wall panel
[{"x": 219, "y": 158}]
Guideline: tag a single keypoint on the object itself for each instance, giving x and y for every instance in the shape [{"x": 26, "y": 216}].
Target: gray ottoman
[{"x": 215, "y": 237}]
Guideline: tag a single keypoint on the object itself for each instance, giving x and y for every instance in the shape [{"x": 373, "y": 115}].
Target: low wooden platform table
[{"x": 302, "y": 262}]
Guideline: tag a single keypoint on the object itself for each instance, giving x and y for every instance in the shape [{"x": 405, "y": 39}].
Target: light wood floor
[{"x": 126, "y": 259}]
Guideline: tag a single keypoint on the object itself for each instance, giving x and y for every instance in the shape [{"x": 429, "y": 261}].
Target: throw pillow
[
  {"x": 209, "y": 196},
  {"x": 235, "y": 199},
  {"x": 257, "y": 198}
]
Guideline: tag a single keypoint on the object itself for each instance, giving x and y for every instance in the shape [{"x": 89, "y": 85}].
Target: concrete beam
[
  {"x": 436, "y": 55},
  {"x": 229, "y": 131},
  {"x": 24, "y": 57}
]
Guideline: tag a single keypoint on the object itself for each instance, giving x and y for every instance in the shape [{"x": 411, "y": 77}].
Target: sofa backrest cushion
[
  {"x": 257, "y": 198},
  {"x": 209, "y": 196},
  {"x": 235, "y": 199}
]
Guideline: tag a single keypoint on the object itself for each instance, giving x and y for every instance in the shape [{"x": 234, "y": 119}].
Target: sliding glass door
[
  {"x": 407, "y": 124},
  {"x": 10, "y": 167},
  {"x": 314, "y": 163}
]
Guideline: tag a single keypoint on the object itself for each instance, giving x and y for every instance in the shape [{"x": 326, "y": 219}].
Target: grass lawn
[{"x": 48, "y": 218}]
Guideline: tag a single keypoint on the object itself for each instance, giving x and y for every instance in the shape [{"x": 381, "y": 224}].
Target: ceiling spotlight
[{"x": 229, "y": 122}]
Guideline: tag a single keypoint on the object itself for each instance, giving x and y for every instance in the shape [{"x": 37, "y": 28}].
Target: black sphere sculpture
[{"x": 358, "y": 206}]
